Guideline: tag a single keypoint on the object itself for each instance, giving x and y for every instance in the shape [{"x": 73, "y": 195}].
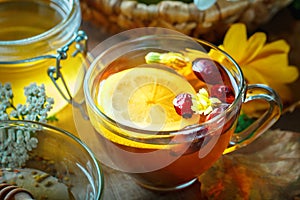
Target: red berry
[
  {"x": 223, "y": 93},
  {"x": 182, "y": 104},
  {"x": 207, "y": 70}
]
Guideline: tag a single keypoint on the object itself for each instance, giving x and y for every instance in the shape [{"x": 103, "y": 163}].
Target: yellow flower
[
  {"x": 202, "y": 104},
  {"x": 261, "y": 62},
  {"x": 175, "y": 60}
]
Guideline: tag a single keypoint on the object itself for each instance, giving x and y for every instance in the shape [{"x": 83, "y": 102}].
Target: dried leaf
[{"x": 267, "y": 169}]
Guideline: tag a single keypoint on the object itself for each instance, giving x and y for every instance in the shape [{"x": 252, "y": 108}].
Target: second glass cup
[
  {"x": 47, "y": 162},
  {"x": 164, "y": 106}
]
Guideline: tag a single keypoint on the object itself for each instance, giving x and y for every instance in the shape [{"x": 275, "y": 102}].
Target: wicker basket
[{"x": 120, "y": 15}]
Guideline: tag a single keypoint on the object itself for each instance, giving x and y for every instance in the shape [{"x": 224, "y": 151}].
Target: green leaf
[
  {"x": 52, "y": 118},
  {"x": 243, "y": 122}
]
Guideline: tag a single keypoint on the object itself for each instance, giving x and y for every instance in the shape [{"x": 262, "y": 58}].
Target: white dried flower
[
  {"x": 15, "y": 145},
  {"x": 16, "y": 142},
  {"x": 3, "y": 116}
]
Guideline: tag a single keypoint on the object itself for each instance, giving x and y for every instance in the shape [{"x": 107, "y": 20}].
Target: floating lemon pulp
[{"x": 142, "y": 98}]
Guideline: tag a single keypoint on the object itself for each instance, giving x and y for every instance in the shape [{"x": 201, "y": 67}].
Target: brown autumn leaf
[{"x": 267, "y": 169}]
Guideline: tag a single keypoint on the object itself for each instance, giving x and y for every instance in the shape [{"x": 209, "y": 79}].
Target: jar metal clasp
[{"x": 55, "y": 74}]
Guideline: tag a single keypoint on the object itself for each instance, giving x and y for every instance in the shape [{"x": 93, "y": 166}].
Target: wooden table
[{"x": 119, "y": 186}]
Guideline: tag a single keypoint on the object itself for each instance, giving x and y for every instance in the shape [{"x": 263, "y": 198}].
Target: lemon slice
[{"x": 142, "y": 98}]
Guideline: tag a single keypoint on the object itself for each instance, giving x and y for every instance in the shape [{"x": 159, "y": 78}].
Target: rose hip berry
[
  {"x": 207, "y": 70},
  {"x": 182, "y": 104},
  {"x": 223, "y": 93}
]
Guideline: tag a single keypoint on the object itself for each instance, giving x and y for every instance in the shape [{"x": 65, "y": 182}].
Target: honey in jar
[{"x": 40, "y": 42}]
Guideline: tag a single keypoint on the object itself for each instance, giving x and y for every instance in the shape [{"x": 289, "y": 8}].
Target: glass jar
[{"x": 40, "y": 42}]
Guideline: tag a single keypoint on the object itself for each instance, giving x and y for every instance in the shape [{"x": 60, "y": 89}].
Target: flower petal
[
  {"x": 276, "y": 47},
  {"x": 235, "y": 41},
  {"x": 254, "y": 46},
  {"x": 284, "y": 76},
  {"x": 275, "y": 68},
  {"x": 260, "y": 62},
  {"x": 253, "y": 76}
]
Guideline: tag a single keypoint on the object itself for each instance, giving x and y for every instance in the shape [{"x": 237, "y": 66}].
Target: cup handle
[{"x": 264, "y": 122}]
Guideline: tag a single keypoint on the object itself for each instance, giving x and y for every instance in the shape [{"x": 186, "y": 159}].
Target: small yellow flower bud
[
  {"x": 202, "y": 104},
  {"x": 177, "y": 61}
]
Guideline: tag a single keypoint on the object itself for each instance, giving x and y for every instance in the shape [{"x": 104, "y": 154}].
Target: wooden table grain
[{"x": 119, "y": 186}]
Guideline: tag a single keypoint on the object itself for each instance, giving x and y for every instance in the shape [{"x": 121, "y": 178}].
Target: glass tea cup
[
  {"x": 47, "y": 162},
  {"x": 130, "y": 90}
]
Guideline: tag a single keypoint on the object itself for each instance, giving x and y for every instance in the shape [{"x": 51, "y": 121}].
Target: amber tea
[{"x": 156, "y": 95}]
